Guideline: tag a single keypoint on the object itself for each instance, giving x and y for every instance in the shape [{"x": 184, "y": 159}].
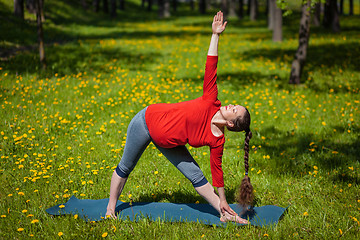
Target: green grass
[{"x": 63, "y": 129}]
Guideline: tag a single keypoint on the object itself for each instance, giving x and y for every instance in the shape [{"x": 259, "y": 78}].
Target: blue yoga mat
[{"x": 95, "y": 210}]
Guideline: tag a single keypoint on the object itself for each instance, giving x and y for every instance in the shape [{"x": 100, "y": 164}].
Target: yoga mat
[{"x": 95, "y": 210}]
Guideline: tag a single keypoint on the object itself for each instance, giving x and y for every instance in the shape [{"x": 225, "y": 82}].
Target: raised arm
[{"x": 218, "y": 26}]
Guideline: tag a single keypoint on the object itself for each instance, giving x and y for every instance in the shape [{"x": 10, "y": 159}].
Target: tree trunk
[
  {"x": 174, "y": 5},
  {"x": 19, "y": 8},
  {"x": 317, "y": 14},
  {"x": 271, "y": 14},
  {"x": 113, "y": 8},
  {"x": 241, "y": 9},
  {"x": 149, "y": 8},
  {"x": 105, "y": 6},
  {"x": 304, "y": 33},
  {"x": 164, "y": 8},
  {"x": 351, "y": 7},
  {"x": 122, "y": 5},
  {"x": 192, "y": 6},
  {"x": 277, "y": 22},
  {"x": 331, "y": 16},
  {"x": 225, "y": 7},
  {"x": 202, "y": 6},
  {"x": 96, "y": 5},
  {"x": 40, "y": 34},
  {"x": 84, "y": 4},
  {"x": 341, "y": 10},
  {"x": 232, "y": 8},
  {"x": 253, "y": 10}
]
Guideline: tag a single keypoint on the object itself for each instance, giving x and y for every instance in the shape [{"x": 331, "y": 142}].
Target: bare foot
[{"x": 227, "y": 217}]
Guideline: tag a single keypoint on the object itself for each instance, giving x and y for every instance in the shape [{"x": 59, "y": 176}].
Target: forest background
[{"x": 73, "y": 76}]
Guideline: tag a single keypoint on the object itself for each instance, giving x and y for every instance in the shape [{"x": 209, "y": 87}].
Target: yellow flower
[
  {"x": 35, "y": 221},
  {"x": 266, "y": 235},
  {"x": 340, "y": 231},
  {"x": 62, "y": 206},
  {"x": 315, "y": 167},
  {"x": 156, "y": 172},
  {"x": 323, "y": 123},
  {"x": 60, "y": 234},
  {"x": 3, "y": 216},
  {"x": 76, "y": 216},
  {"x": 104, "y": 234},
  {"x": 24, "y": 211},
  {"x": 20, "y": 229},
  {"x": 305, "y": 214}
]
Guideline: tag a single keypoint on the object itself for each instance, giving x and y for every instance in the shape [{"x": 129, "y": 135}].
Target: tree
[
  {"x": 39, "y": 10},
  {"x": 317, "y": 14},
  {"x": 113, "y": 8},
  {"x": 275, "y": 21},
  {"x": 122, "y": 4},
  {"x": 202, "y": 6},
  {"x": 331, "y": 16},
  {"x": 253, "y": 9},
  {"x": 19, "y": 8},
  {"x": 31, "y": 6},
  {"x": 232, "y": 12},
  {"x": 164, "y": 8},
  {"x": 304, "y": 33},
  {"x": 241, "y": 9}
]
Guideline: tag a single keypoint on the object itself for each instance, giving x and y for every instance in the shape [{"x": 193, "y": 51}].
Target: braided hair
[{"x": 245, "y": 196}]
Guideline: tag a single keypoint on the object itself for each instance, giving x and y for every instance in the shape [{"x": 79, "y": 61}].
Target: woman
[{"x": 198, "y": 122}]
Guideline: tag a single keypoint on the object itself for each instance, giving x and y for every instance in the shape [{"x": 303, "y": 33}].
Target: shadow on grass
[
  {"x": 73, "y": 58},
  {"x": 325, "y": 58},
  {"x": 296, "y": 154}
]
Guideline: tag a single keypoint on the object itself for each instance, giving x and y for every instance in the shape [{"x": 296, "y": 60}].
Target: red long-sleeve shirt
[{"x": 176, "y": 124}]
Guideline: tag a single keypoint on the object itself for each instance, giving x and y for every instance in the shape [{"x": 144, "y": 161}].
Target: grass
[{"x": 63, "y": 130}]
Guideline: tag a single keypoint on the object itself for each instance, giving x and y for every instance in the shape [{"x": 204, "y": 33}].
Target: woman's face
[{"x": 230, "y": 112}]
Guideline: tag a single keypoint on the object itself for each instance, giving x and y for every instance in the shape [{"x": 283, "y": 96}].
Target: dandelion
[
  {"x": 104, "y": 234},
  {"x": 266, "y": 235},
  {"x": 60, "y": 234},
  {"x": 20, "y": 229},
  {"x": 35, "y": 221},
  {"x": 323, "y": 123},
  {"x": 305, "y": 214},
  {"x": 340, "y": 231},
  {"x": 3, "y": 216},
  {"x": 156, "y": 172},
  {"x": 62, "y": 206}
]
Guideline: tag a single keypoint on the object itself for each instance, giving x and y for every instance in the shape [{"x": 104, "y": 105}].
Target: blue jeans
[{"x": 138, "y": 138}]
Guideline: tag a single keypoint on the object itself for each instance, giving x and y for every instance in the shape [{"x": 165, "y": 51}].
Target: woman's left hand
[
  {"x": 218, "y": 25},
  {"x": 224, "y": 207}
]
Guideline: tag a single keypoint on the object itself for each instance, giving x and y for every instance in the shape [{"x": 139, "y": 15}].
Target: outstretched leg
[
  {"x": 181, "y": 158},
  {"x": 138, "y": 138}
]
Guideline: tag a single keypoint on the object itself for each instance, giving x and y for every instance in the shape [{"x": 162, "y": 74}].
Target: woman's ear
[{"x": 230, "y": 124}]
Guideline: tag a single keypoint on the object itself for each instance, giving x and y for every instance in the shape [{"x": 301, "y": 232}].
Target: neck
[{"x": 219, "y": 121}]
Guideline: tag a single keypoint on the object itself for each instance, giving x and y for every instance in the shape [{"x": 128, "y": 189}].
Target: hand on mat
[
  {"x": 227, "y": 214},
  {"x": 110, "y": 214}
]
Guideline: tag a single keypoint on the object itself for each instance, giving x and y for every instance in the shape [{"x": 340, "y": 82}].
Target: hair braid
[{"x": 245, "y": 197}]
